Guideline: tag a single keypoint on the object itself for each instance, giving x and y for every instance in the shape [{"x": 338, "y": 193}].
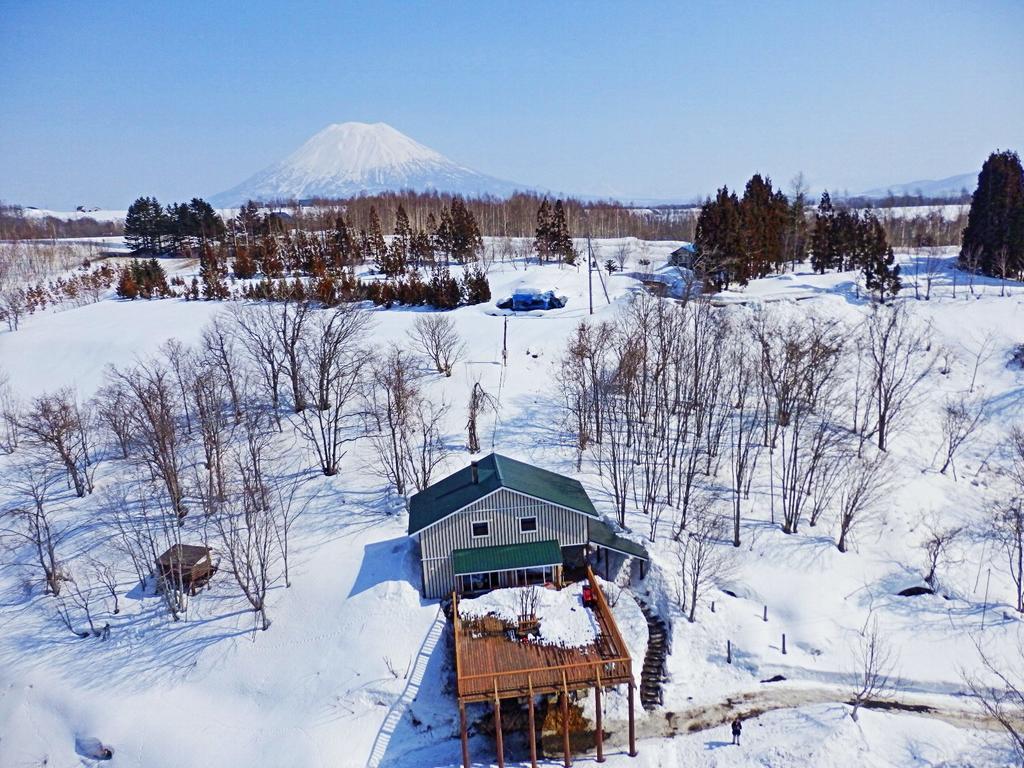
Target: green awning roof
[
  {"x": 460, "y": 489},
  {"x": 507, "y": 557},
  {"x": 603, "y": 535}
]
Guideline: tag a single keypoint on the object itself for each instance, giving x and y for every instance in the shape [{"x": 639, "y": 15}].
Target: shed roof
[
  {"x": 187, "y": 555},
  {"x": 605, "y": 536},
  {"x": 493, "y": 472},
  {"x": 532, "y": 554}
]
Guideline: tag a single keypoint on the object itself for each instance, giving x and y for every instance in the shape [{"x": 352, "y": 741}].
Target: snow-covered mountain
[
  {"x": 948, "y": 187},
  {"x": 346, "y": 159}
]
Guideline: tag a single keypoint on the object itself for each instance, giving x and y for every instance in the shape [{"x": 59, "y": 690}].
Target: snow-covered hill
[
  {"x": 950, "y": 186},
  {"x": 346, "y": 159}
]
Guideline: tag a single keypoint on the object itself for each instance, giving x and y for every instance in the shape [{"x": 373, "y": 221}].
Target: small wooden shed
[{"x": 189, "y": 565}]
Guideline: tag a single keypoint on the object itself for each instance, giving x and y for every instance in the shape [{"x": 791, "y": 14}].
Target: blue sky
[{"x": 103, "y": 101}]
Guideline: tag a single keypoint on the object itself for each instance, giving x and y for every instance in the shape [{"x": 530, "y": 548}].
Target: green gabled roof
[
  {"x": 533, "y": 554},
  {"x": 493, "y": 472},
  {"x": 605, "y": 536}
]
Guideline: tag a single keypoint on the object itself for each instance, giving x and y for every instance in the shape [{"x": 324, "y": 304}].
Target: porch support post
[
  {"x": 463, "y": 735},
  {"x": 632, "y": 724},
  {"x": 498, "y": 735},
  {"x": 567, "y": 760},
  {"x": 533, "y": 727},
  {"x": 598, "y": 732}
]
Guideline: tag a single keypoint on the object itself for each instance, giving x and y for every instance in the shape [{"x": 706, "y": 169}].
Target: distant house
[
  {"x": 504, "y": 523},
  {"x": 683, "y": 256},
  {"x": 188, "y": 566}
]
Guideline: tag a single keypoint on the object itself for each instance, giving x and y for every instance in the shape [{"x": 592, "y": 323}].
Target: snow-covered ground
[{"x": 352, "y": 670}]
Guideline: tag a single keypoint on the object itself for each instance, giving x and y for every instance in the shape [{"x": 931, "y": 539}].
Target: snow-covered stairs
[
  {"x": 653, "y": 673},
  {"x": 412, "y": 687}
]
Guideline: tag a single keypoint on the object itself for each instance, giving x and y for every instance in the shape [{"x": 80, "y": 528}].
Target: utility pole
[{"x": 590, "y": 263}]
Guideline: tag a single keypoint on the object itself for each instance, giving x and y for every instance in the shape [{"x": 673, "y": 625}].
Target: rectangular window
[
  {"x": 527, "y": 524},
  {"x": 481, "y": 529}
]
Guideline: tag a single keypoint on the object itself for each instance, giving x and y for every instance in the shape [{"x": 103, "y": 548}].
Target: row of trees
[
  {"x": 178, "y": 228},
  {"x": 848, "y": 239},
  {"x": 740, "y": 239}
]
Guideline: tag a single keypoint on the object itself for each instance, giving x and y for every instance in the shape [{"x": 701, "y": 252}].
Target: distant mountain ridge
[
  {"x": 951, "y": 186},
  {"x": 346, "y": 159}
]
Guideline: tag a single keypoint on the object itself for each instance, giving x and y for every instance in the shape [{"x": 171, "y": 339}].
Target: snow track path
[{"x": 412, "y": 688}]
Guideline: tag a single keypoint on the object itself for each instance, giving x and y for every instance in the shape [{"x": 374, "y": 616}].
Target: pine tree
[
  {"x": 213, "y": 273},
  {"x": 466, "y": 241},
  {"x": 376, "y": 246},
  {"x": 243, "y": 266},
  {"x": 764, "y": 216},
  {"x": 560, "y": 244},
  {"x": 875, "y": 258},
  {"x": 127, "y": 288},
  {"x": 542, "y": 237},
  {"x": 823, "y": 240},
  {"x": 994, "y": 237},
  {"x": 719, "y": 242}
]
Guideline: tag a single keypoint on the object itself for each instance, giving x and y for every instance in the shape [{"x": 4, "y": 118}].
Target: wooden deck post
[
  {"x": 598, "y": 732},
  {"x": 533, "y": 727},
  {"x": 632, "y": 724},
  {"x": 498, "y": 735},
  {"x": 567, "y": 761},
  {"x": 463, "y": 735}
]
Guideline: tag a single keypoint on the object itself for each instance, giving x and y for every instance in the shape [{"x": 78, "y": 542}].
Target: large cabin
[{"x": 504, "y": 523}]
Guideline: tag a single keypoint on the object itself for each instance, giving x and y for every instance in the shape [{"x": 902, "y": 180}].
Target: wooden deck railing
[{"x": 582, "y": 667}]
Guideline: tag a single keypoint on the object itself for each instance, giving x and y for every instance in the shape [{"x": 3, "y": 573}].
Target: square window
[
  {"x": 527, "y": 524},
  {"x": 481, "y": 529}
]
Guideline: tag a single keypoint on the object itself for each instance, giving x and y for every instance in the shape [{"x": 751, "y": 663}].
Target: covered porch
[{"x": 481, "y": 569}]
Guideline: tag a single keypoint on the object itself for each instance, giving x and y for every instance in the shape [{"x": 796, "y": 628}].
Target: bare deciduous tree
[
  {"x": 702, "y": 560},
  {"x": 156, "y": 408},
  {"x": 55, "y": 423},
  {"x": 336, "y": 364},
  {"x": 32, "y": 521},
  {"x": 936, "y": 548},
  {"x": 865, "y": 482},
  {"x": 1001, "y": 695},
  {"x": 960, "y": 417},
  {"x": 256, "y": 327},
  {"x": 436, "y": 337},
  {"x": 897, "y": 363},
  {"x": 874, "y": 666}
]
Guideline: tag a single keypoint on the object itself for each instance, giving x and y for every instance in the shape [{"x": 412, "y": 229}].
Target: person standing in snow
[{"x": 737, "y": 729}]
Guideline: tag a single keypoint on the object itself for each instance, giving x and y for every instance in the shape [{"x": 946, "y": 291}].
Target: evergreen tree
[
  {"x": 764, "y": 213},
  {"x": 542, "y": 237},
  {"x": 213, "y": 272},
  {"x": 876, "y": 259},
  {"x": 994, "y": 237},
  {"x": 466, "y": 241},
  {"x": 719, "y": 240},
  {"x": 244, "y": 266},
  {"x": 421, "y": 249},
  {"x": 560, "y": 245},
  {"x": 376, "y": 246},
  {"x": 146, "y": 226},
  {"x": 344, "y": 251},
  {"x": 475, "y": 287},
  {"x": 826, "y": 246},
  {"x": 443, "y": 234}
]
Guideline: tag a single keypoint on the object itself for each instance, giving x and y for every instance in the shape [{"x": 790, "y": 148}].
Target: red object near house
[{"x": 588, "y": 596}]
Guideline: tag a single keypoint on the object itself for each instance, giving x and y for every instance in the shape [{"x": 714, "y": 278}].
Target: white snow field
[{"x": 355, "y": 668}]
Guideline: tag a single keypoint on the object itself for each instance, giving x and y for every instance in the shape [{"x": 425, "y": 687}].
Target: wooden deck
[{"x": 489, "y": 665}]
